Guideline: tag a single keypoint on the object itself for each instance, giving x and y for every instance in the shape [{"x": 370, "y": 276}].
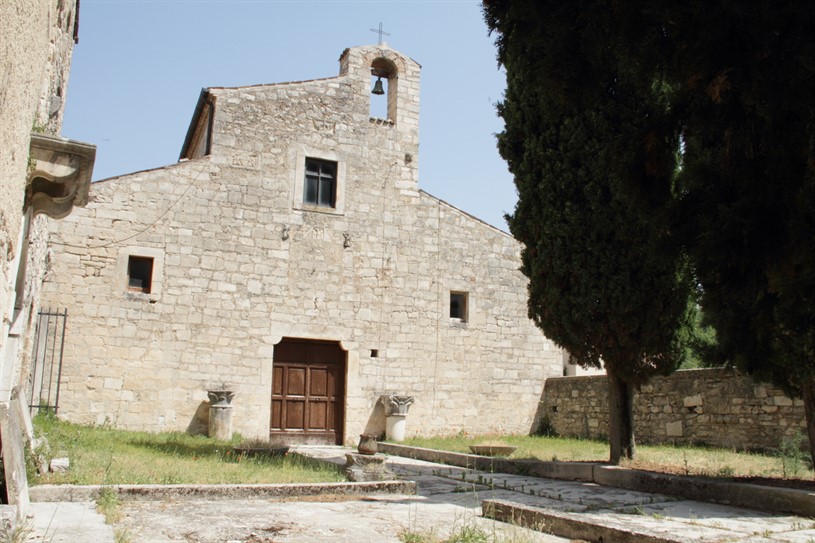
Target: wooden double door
[{"x": 308, "y": 392}]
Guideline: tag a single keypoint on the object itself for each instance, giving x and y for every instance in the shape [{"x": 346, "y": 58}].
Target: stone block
[
  {"x": 59, "y": 465},
  {"x": 365, "y": 468},
  {"x": 674, "y": 429},
  {"x": 693, "y": 401}
]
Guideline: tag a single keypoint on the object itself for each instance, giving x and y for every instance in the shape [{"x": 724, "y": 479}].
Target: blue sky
[{"x": 140, "y": 65}]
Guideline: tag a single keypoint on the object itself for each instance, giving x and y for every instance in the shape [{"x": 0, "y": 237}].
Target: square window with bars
[{"x": 320, "y": 187}]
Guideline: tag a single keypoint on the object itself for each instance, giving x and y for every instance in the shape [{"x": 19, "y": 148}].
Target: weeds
[
  {"x": 107, "y": 503},
  {"x": 468, "y": 532},
  {"x": 14, "y": 532},
  {"x": 122, "y": 536}
]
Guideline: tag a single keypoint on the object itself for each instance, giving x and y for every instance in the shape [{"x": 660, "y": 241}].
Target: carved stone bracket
[
  {"x": 396, "y": 404},
  {"x": 59, "y": 176}
]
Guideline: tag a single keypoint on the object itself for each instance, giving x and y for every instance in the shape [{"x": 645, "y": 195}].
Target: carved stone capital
[
  {"x": 220, "y": 397},
  {"x": 396, "y": 404},
  {"x": 60, "y": 175}
]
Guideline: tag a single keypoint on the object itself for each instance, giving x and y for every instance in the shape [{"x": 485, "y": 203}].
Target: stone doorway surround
[{"x": 308, "y": 392}]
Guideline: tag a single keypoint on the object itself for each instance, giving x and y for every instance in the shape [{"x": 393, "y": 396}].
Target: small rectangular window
[
  {"x": 458, "y": 306},
  {"x": 320, "y": 186},
  {"x": 139, "y": 274}
]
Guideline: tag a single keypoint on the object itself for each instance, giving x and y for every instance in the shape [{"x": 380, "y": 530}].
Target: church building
[{"x": 291, "y": 258}]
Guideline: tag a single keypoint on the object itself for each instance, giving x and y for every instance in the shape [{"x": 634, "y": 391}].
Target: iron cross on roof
[{"x": 380, "y": 32}]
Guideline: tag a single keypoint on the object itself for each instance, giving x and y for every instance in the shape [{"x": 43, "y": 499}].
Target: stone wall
[
  {"x": 35, "y": 57},
  {"x": 717, "y": 407},
  {"x": 241, "y": 262}
]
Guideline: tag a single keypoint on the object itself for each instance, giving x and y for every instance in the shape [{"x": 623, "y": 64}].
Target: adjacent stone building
[
  {"x": 291, "y": 258},
  {"x": 41, "y": 174}
]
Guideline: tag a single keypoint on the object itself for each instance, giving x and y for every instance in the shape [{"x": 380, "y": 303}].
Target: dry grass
[
  {"x": 704, "y": 461},
  {"x": 101, "y": 455}
]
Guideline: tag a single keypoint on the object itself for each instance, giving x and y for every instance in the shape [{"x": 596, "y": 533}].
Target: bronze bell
[{"x": 378, "y": 89}]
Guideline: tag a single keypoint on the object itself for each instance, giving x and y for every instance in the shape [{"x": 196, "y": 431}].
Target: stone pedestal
[
  {"x": 366, "y": 467},
  {"x": 395, "y": 428},
  {"x": 220, "y": 414},
  {"x": 396, "y": 410}
]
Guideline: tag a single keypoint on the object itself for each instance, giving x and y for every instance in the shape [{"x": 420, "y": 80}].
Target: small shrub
[
  {"x": 792, "y": 455},
  {"x": 545, "y": 428}
]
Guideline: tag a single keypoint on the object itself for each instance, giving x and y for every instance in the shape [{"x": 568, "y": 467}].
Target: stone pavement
[
  {"x": 590, "y": 508},
  {"x": 448, "y": 498}
]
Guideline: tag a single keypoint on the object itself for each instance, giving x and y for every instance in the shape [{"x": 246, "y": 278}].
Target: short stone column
[
  {"x": 396, "y": 410},
  {"x": 367, "y": 467},
  {"x": 220, "y": 414}
]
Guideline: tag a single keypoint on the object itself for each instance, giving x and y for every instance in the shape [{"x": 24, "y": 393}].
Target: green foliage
[
  {"x": 605, "y": 283},
  {"x": 743, "y": 83},
  {"x": 733, "y": 83},
  {"x": 793, "y": 458},
  {"x": 699, "y": 351}
]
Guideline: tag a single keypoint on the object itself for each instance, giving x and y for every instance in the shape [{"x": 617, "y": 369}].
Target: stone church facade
[{"x": 290, "y": 257}]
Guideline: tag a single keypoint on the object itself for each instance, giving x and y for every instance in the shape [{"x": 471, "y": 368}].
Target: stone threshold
[
  {"x": 760, "y": 497},
  {"x": 84, "y": 493},
  {"x": 569, "y": 525}
]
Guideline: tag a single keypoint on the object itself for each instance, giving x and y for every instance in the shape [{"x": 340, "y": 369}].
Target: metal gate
[{"x": 46, "y": 361}]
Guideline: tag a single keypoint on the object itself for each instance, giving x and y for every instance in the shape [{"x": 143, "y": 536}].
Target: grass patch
[
  {"x": 685, "y": 460},
  {"x": 106, "y": 456}
]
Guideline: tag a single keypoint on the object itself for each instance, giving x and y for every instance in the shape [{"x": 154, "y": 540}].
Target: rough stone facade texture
[
  {"x": 36, "y": 43},
  {"x": 716, "y": 407},
  {"x": 241, "y": 262}
]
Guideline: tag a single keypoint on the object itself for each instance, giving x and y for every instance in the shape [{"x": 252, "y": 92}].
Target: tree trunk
[
  {"x": 809, "y": 409},
  {"x": 620, "y": 418}
]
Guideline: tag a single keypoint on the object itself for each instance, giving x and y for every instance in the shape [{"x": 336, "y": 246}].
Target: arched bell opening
[{"x": 383, "y": 89}]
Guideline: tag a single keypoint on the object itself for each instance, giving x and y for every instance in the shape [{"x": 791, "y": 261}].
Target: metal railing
[{"x": 45, "y": 376}]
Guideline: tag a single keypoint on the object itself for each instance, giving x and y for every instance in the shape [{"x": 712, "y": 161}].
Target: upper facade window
[
  {"x": 320, "y": 185},
  {"x": 458, "y": 306},
  {"x": 140, "y": 274}
]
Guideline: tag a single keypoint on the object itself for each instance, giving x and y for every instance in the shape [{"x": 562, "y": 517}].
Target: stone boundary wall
[{"x": 717, "y": 407}]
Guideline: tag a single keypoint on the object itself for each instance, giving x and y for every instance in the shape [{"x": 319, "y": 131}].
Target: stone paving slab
[
  {"x": 378, "y": 519},
  {"x": 743, "y": 521},
  {"x": 606, "y": 526},
  {"x": 76, "y": 522},
  {"x": 572, "y": 492},
  {"x": 766, "y": 498},
  {"x": 598, "y": 509}
]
